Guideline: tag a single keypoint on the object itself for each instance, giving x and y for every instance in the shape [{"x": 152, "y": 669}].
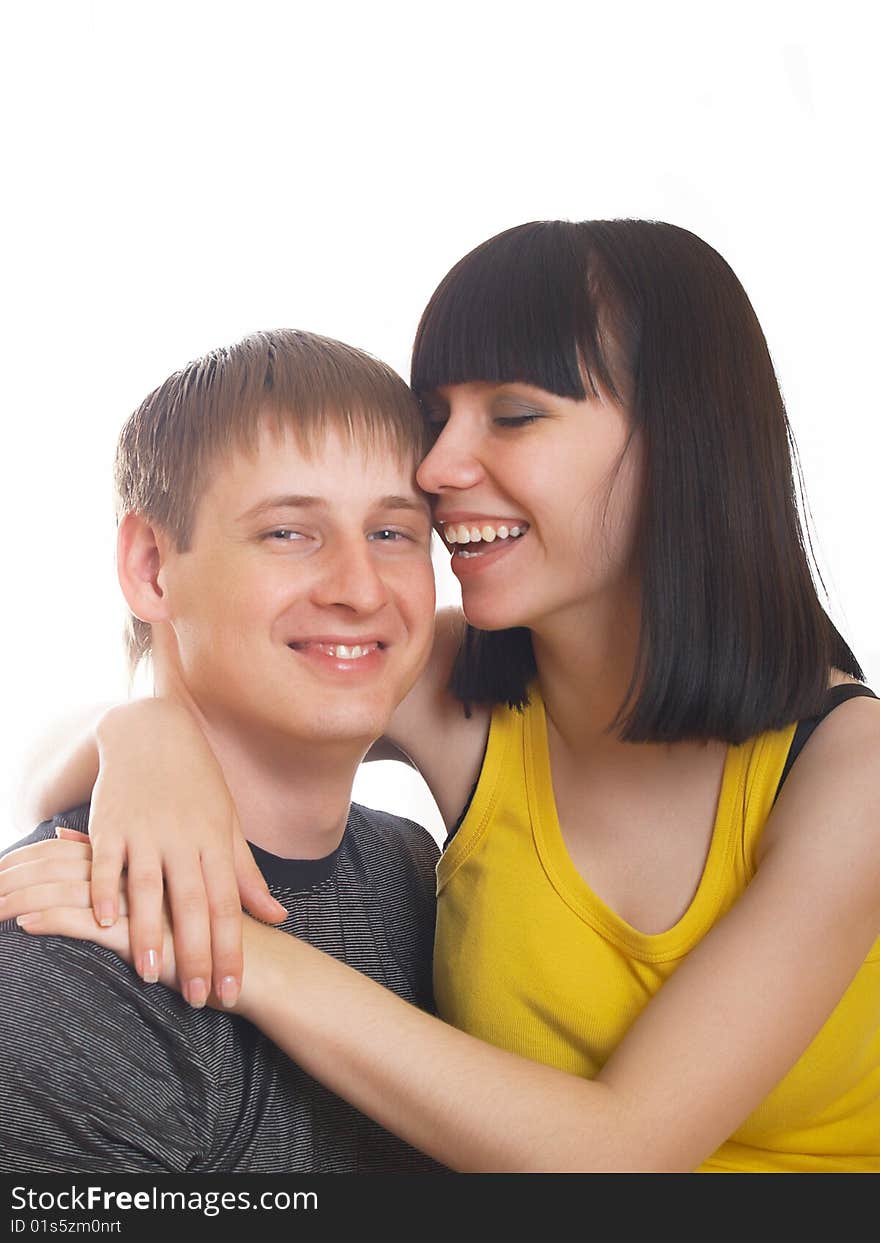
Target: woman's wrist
[
  {"x": 158, "y": 730},
  {"x": 269, "y": 961},
  {"x": 117, "y": 723}
]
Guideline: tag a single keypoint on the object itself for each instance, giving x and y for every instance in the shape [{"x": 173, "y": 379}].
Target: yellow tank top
[{"x": 530, "y": 959}]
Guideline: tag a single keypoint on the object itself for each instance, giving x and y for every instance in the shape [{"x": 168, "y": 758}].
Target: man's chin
[
  {"x": 354, "y": 730},
  {"x": 337, "y": 720},
  {"x": 302, "y": 712}
]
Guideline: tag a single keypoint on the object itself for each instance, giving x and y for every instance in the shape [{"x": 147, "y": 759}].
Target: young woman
[{"x": 657, "y": 943}]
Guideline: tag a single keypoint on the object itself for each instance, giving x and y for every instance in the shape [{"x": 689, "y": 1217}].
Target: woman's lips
[
  {"x": 472, "y": 558},
  {"x": 481, "y": 530}
]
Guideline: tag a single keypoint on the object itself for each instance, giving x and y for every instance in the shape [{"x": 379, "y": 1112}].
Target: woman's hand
[
  {"x": 161, "y": 810},
  {"x": 46, "y": 889},
  {"x": 55, "y": 872}
]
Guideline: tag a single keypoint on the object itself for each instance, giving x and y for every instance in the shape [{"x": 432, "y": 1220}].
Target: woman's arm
[
  {"x": 161, "y": 811},
  {"x": 708, "y": 1048},
  {"x": 60, "y": 769},
  {"x": 430, "y": 726},
  {"x": 160, "y": 808},
  {"x": 725, "y": 1028}
]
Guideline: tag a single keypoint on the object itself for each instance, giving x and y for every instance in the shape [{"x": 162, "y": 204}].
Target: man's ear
[{"x": 140, "y": 553}]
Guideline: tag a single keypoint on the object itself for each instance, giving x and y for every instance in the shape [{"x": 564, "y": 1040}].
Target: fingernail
[
  {"x": 228, "y": 991},
  {"x": 150, "y": 967},
  {"x": 196, "y": 992},
  {"x": 105, "y": 914},
  {"x": 27, "y": 921}
]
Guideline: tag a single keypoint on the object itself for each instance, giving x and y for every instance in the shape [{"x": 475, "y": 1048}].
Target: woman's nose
[{"x": 454, "y": 462}]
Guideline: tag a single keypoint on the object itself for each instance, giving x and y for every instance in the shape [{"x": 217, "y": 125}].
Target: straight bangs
[{"x": 521, "y": 307}]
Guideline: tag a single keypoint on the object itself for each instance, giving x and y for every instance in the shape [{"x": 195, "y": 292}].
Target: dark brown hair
[
  {"x": 734, "y": 639},
  {"x": 294, "y": 381}
]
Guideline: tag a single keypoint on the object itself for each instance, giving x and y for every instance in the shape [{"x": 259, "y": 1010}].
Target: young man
[{"x": 274, "y": 552}]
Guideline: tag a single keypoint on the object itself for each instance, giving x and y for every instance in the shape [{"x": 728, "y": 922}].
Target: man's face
[{"x": 304, "y": 607}]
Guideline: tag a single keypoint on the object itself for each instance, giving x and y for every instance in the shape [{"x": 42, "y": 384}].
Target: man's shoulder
[
  {"x": 77, "y": 1016},
  {"x": 75, "y": 818},
  {"x": 53, "y": 979},
  {"x": 396, "y": 833},
  {"x": 99, "y": 1070},
  {"x": 399, "y": 857}
]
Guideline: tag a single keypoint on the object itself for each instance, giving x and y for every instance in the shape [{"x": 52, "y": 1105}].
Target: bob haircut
[
  {"x": 733, "y": 638},
  {"x": 297, "y": 383}
]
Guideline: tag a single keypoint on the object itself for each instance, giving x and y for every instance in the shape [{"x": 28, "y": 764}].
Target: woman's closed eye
[
  {"x": 437, "y": 425},
  {"x": 518, "y": 420}
]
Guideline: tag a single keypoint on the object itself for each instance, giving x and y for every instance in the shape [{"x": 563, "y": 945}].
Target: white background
[{"x": 179, "y": 174}]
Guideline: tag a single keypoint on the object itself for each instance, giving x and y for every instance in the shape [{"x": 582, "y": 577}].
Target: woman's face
[{"x": 535, "y": 498}]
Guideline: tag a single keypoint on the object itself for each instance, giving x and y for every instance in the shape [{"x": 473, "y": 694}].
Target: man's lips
[
  {"x": 331, "y": 657},
  {"x": 350, "y": 648}
]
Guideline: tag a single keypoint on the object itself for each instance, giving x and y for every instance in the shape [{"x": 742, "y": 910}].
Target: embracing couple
[{"x": 651, "y": 939}]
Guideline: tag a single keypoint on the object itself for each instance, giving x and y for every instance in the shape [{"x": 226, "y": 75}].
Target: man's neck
[
  {"x": 292, "y": 795},
  {"x": 292, "y": 801}
]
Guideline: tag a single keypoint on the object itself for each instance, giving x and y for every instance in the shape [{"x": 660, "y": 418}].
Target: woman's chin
[{"x": 487, "y": 615}]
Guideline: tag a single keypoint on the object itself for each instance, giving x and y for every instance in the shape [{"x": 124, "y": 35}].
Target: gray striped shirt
[{"x": 101, "y": 1073}]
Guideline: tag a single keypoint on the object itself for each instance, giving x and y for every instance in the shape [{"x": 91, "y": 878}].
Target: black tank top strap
[
  {"x": 464, "y": 811},
  {"x": 833, "y": 699}
]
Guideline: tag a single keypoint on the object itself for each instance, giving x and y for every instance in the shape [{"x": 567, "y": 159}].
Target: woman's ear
[{"x": 140, "y": 551}]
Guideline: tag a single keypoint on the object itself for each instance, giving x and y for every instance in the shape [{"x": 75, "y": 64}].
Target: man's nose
[
  {"x": 351, "y": 578},
  {"x": 454, "y": 462}
]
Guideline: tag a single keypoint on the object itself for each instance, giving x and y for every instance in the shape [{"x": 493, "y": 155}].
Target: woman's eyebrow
[{"x": 517, "y": 401}]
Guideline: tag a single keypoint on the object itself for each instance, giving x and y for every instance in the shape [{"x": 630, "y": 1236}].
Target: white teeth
[
  {"x": 344, "y": 651},
  {"x": 459, "y": 533}
]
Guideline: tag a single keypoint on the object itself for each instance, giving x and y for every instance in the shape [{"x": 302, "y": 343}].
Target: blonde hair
[{"x": 288, "y": 380}]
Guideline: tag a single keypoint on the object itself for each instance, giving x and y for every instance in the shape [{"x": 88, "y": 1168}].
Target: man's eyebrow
[
  {"x": 288, "y": 501},
  {"x": 403, "y": 502},
  {"x": 319, "y": 502}
]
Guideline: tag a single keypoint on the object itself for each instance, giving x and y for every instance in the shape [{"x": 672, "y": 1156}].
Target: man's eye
[
  {"x": 283, "y": 533},
  {"x": 388, "y": 535}
]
